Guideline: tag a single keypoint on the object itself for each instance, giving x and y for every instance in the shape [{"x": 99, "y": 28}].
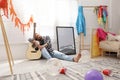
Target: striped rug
[{"x": 74, "y": 71}]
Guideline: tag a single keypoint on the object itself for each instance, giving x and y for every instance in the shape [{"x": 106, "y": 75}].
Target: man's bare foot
[{"x": 77, "y": 57}]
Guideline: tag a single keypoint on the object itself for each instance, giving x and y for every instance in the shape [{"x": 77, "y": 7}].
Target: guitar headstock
[{"x": 34, "y": 24}]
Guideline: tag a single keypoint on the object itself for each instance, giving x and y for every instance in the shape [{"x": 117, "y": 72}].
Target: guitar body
[{"x": 32, "y": 53}]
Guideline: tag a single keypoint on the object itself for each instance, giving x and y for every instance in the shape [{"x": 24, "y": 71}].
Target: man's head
[{"x": 38, "y": 36}]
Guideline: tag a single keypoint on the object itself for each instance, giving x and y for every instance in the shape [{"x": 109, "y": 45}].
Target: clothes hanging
[
  {"x": 102, "y": 35},
  {"x": 80, "y": 23},
  {"x": 95, "y": 50},
  {"x": 101, "y": 14}
]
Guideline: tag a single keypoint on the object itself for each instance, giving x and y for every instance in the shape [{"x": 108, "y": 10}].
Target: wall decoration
[
  {"x": 17, "y": 21},
  {"x": 4, "y": 6}
]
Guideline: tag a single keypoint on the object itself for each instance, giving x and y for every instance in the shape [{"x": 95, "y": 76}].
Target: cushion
[
  {"x": 111, "y": 37},
  {"x": 110, "y": 45},
  {"x": 117, "y": 37}
]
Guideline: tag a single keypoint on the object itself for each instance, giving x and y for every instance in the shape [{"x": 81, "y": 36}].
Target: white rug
[{"x": 74, "y": 71}]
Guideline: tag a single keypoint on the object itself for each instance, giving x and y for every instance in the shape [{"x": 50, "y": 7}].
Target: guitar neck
[{"x": 34, "y": 30}]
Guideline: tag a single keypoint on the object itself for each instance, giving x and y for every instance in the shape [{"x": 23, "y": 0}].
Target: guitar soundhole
[{"x": 33, "y": 51}]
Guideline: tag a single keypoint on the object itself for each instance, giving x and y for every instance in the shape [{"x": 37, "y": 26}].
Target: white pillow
[
  {"x": 111, "y": 37},
  {"x": 117, "y": 37}
]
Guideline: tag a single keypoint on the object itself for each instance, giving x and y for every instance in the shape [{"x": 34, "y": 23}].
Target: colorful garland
[
  {"x": 18, "y": 23},
  {"x": 4, "y": 7}
]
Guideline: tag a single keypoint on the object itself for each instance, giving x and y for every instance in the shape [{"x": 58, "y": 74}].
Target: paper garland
[
  {"x": 4, "y": 7},
  {"x": 17, "y": 21},
  {"x": 15, "y": 18}
]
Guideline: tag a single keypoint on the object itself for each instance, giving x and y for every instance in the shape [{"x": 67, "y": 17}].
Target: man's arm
[
  {"x": 41, "y": 46},
  {"x": 36, "y": 44}
]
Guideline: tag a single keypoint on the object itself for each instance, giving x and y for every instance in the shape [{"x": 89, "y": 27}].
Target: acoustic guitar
[{"x": 31, "y": 52}]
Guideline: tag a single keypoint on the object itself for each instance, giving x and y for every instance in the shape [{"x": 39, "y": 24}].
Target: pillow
[
  {"x": 117, "y": 37},
  {"x": 111, "y": 37}
]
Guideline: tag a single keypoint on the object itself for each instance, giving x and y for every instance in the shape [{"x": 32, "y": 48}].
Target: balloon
[
  {"x": 106, "y": 72},
  {"x": 93, "y": 75}
]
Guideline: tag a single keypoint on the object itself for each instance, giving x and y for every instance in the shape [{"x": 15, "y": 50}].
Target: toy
[
  {"x": 107, "y": 72},
  {"x": 93, "y": 75},
  {"x": 62, "y": 70}
]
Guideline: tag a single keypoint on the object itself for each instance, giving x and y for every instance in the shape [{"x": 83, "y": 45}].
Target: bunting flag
[
  {"x": 4, "y": 7},
  {"x": 17, "y": 21},
  {"x": 15, "y": 18}
]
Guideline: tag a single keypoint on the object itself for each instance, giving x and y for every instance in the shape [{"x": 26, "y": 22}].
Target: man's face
[{"x": 38, "y": 37}]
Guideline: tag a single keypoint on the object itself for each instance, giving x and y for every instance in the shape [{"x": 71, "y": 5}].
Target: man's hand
[
  {"x": 46, "y": 44},
  {"x": 31, "y": 40}
]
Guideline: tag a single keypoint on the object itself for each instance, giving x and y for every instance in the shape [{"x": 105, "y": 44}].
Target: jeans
[{"x": 55, "y": 54}]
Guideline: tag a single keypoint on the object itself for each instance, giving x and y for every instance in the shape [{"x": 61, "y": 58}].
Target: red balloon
[
  {"x": 106, "y": 72},
  {"x": 62, "y": 71}
]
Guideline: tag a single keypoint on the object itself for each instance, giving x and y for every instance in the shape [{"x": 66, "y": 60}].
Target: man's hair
[{"x": 35, "y": 36}]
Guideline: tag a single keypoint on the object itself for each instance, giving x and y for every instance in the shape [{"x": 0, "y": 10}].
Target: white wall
[
  {"x": 115, "y": 16},
  {"x": 47, "y": 14}
]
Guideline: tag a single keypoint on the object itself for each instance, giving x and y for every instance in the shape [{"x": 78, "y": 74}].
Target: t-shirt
[{"x": 46, "y": 39}]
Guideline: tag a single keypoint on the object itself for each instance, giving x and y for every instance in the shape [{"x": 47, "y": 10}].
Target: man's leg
[
  {"x": 45, "y": 53},
  {"x": 60, "y": 55}
]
